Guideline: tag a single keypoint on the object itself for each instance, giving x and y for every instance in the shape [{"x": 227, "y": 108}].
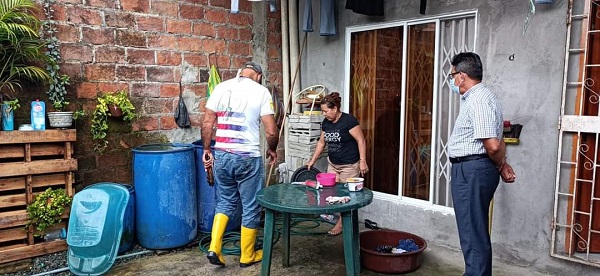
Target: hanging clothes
[
  {"x": 327, "y": 18},
  {"x": 366, "y": 7}
]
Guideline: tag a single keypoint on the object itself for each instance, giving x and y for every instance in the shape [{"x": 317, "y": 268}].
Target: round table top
[{"x": 300, "y": 199}]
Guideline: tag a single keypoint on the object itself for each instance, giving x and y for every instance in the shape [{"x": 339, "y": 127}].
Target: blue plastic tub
[
  {"x": 128, "y": 235},
  {"x": 95, "y": 227},
  {"x": 164, "y": 178},
  {"x": 208, "y": 198}
]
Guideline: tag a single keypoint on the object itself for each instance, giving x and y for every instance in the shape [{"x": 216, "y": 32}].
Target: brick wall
[{"x": 147, "y": 47}]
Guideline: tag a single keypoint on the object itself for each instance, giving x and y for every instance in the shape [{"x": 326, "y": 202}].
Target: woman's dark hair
[
  {"x": 332, "y": 100},
  {"x": 468, "y": 63}
]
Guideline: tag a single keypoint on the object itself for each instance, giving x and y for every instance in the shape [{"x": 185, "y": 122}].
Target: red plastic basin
[
  {"x": 388, "y": 262},
  {"x": 326, "y": 179}
]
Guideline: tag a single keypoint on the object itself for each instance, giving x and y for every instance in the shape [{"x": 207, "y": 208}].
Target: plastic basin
[
  {"x": 388, "y": 262},
  {"x": 326, "y": 179}
]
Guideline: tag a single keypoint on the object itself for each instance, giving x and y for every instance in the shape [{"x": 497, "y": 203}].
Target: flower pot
[
  {"x": 60, "y": 119},
  {"x": 115, "y": 111},
  {"x": 8, "y": 119}
]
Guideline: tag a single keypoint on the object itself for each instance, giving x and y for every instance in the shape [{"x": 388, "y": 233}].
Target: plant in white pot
[{"x": 57, "y": 90}]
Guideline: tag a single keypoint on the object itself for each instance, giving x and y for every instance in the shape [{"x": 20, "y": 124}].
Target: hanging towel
[
  {"x": 235, "y": 6},
  {"x": 328, "y": 18},
  {"x": 213, "y": 80},
  {"x": 308, "y": 18},
  {"x": 366, "y": 7}
]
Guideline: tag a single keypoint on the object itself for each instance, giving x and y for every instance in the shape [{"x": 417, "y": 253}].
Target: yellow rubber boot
[
  {"x": 216, "y": 240},
  {"x": 249, "y": 256}
]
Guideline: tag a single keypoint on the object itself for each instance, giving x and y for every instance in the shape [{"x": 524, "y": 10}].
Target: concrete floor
[{"x": 310, "y": 255}]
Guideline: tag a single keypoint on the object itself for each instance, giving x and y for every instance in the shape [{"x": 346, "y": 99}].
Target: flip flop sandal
[{"x": 371, "y": 225}]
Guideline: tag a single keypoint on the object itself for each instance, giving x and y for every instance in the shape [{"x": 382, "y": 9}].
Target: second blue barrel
[
  {"x": 208, "y": 198},
  {"x": 164, "y": 176}
]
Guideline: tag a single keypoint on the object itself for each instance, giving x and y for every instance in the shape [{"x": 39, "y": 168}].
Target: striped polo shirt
[{"x": 480, "y": 117}]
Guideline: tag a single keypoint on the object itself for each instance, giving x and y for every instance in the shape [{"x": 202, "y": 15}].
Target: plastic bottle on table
[{"x": 57, "y": 234}]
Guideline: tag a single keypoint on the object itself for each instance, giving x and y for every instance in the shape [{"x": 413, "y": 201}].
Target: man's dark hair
[{"x": 468, "y": 63}]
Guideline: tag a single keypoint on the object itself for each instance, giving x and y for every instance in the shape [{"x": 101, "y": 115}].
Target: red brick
[
  {"x": 80, "y": 15},
  {"x": 106, "y": 87},
  {"x": 114, "y": 158},
  {"x": 213, "y": 45},
  {"x": 167, "y": 122},
  {"x": 103, "y": 3},
  {"x": 227, "y": 33},
  {"x": 110, "y": 54},
  {"x": 238, "y": 62},
  {"x": 98, "y": 36},
  {"x": 274, "y": 39},
  {"x": 160, "y": 74},
  {"x": 165, "y": 8},
  {"x": 196, "y": 119},
  {"x": 245, "y": 34},
  {"x": 72, "y": 69},
  {"x": 67, "y": 33},
  {"x": 201, "y": 2},
  {"x": 136, "y": 56},
  {"x": 60, "y": 12},
  {"x": 273, "y": 52},
  {"x": 275, "y": 66},
  {"x": 240, "y": 19},
  {"x": 169, "y": 90},
  {"x": 126, "y": 73},
  {"x": 239, "y": 48},
  {"x": 221, "y": 3},
  {"x": 168, "y": 58},
  {"x": 199, "y": 89},
  {"x": 94, "y": 72},
  {"x": 87, "y": 90},
  {"x": 146, "y": 123},
  {"x": 158, "y": 105},
  {"x": 194, "y": 59},
  {"x": 145, "y": 90},
  {"x": 274, "y": 25},
  {"x": 127, "y": 38},
  {"x": 76, "y": 52},
  {"x": 222, "y": 61},
  {"x": 162, "y": 41},
  {"x": 189, "y": 44},
  {"x": 246, "y": 6},
  {"x": 203, "y": 29},
  {"x": 119, "y": 19},
  {"x": 142, "y": 6},
  {"x": 147, "y": 23},
  {"x": 187, "y": 11},
  {"x": 179, "y": 26},
  {"x": 216, "y": 16}
]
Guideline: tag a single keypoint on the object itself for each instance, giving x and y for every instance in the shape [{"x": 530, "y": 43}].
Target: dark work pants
[{"x": 473, "y": 186}]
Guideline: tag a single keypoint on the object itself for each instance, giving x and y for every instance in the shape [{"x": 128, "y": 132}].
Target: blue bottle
[{"x": 38, "y": 115}]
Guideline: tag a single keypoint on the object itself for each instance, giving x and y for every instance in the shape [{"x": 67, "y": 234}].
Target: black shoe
[
  {"x": 242, "y": 265},
  {"x": 213, "y": 258}
]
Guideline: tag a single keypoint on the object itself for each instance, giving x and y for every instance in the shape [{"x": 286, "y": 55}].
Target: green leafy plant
[
  {"x": 21, "y": 47},
  {"x": 46, "y": 209},
  {"x": 79, "y": 113},
  {"x": 99, "y": 125},
  {"x": 12, "y": 105},
  {"x": 57, "y": 91}
]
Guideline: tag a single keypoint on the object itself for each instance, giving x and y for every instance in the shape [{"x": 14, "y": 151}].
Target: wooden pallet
[{"x": 31, "y": 162}]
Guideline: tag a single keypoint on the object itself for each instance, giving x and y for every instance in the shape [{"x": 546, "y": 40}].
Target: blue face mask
[{"x": 453, "y": 87}]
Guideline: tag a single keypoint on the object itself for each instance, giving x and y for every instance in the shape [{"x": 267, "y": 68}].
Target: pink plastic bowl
[{"x": 326, "y": 179}]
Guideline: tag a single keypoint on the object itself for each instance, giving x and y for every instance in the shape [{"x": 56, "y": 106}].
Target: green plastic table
[{"x": 299, "y": 199}]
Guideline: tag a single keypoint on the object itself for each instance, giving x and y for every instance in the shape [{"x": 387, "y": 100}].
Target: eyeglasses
[{"x": 451, "y": 75}]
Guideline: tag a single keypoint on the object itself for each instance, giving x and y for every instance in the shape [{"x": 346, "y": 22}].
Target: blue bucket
[
  {"x": 208, "y": 197},
  {"x": 164, "y": 178}
]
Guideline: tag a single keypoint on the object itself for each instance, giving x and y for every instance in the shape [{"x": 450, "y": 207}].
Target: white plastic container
[
  {"x": 38, "y": 115},
  {"x": 355, "y": 184}
]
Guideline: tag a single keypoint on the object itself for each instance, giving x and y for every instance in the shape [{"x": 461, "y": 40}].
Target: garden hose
[{"x": 300, "y": 226}]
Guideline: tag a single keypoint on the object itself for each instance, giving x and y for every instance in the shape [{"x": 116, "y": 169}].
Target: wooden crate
[{"x": 31, "y": 162}]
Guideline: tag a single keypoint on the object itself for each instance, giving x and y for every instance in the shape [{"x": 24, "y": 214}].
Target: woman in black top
[{"x": 346, "y": 145}]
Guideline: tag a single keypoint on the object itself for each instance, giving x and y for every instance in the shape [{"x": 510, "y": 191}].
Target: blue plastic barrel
[
  {"x": 128, "y": 237},
  {"x": 164, "y": 177},
  {"x": 208, "y": 197}
]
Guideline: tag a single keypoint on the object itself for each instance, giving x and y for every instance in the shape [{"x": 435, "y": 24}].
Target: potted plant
[
  {"x": 21, "y": 45},
  {"x": 107, "y": 104},
  {"x": 9, "y": 105},
  {"x": 47, "y": 209},
  {"x": 57, "y": 90}
]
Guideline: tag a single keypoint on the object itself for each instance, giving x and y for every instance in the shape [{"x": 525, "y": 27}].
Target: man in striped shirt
[
  {"x": 477, "y": 154},
  {"x": 237, "y": 107}
]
